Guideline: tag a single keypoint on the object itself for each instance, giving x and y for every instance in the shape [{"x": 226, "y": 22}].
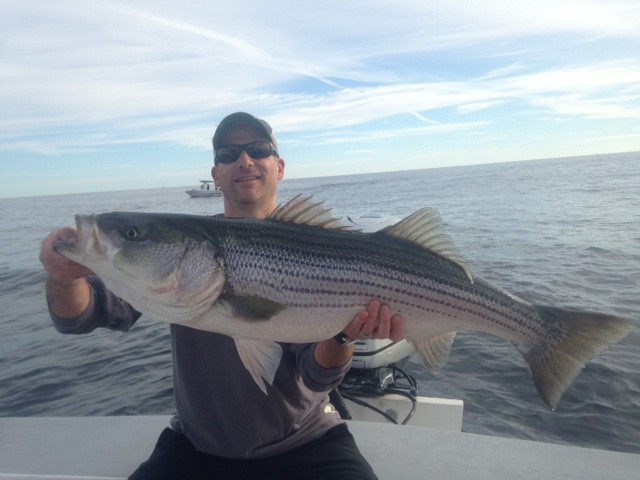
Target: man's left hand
[{"x": 376, "y": 322}]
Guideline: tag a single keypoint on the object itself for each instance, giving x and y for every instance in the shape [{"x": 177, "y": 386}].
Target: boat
[
  {"x": 205, "y": 190},
  {"x": 401, "y": 434},
  {"x": 111, "y": 448}
]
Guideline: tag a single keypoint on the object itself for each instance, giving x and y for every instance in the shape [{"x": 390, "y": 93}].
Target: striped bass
[{"x": 301, "y": 276}]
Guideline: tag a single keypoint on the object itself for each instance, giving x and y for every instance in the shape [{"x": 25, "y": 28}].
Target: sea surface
[{"x": 562, "y": 232}]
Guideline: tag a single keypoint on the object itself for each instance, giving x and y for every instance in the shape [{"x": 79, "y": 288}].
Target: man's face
[{"x": 248, "y": 184}]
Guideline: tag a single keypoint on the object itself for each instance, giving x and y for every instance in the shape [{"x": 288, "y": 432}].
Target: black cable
[
  {"x": 411, "y": 395},
  {"x": 369, "y": 406},
  {"x": 412, "y": 398},
  {"x": 337, "y": 401},
  {"x": 404, "y": 375}
]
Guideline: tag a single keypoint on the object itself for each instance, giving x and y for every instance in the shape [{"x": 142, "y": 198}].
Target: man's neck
[{"x": 248, "y": 210}]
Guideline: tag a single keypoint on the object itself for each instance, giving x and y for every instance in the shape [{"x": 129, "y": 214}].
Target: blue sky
[{"x": 109, "y": 95}]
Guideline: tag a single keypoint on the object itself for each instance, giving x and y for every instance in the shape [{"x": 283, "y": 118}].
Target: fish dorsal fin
[
  {"x": 426, "y": 229},
  {"x": 304, "y": 211}
]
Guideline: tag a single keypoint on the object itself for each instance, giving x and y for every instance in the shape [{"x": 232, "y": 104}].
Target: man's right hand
[
  {"x": 59, "y": 267},
  {"x": 68, "y": 292}
]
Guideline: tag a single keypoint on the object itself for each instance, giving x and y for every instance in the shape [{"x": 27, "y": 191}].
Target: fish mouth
[
  {"x": 65, "y": 247},
  {"x": 86, "y": 231},
  {"x": 77, "y": 246}
]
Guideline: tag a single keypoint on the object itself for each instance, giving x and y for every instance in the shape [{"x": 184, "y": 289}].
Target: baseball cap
[{"x": 242, "y": 118}]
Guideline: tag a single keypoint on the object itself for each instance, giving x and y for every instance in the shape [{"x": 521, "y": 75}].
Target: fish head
[{"x": 162, "y": 264}]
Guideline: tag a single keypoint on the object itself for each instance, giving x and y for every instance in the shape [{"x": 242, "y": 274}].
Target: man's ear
[
  {"x": 280, "y": 168},
  {"x": 214, "y": 175}
]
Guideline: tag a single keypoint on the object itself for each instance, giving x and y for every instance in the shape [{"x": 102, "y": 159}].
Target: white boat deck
[{"x": 112, "y": 447}]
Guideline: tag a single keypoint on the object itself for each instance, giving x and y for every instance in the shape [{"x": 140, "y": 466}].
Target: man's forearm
[
  {"x": 68, "y": 299},
  {"x": 329, "y": 354}
]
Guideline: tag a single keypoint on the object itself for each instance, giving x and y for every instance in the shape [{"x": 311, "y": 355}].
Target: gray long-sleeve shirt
[{"x": 219, "y": 406}]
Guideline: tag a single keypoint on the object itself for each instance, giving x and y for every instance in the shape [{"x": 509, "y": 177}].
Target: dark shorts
[{"x": 335, "y": 455}]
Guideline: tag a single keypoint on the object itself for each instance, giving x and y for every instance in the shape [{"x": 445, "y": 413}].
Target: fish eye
[{"x": 131, "y": 233}]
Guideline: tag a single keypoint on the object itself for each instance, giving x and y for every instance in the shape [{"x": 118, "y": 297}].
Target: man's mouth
[{"x": 247, "y": 178}]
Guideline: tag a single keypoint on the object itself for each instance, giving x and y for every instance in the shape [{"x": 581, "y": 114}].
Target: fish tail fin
[{"x": 581, "y": 336}]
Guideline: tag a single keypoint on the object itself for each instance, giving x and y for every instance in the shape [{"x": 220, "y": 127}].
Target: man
[{"x": 225, "y": 426}]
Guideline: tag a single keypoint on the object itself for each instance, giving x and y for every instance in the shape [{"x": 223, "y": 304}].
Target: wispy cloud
[{"x": 81, "y": 76}]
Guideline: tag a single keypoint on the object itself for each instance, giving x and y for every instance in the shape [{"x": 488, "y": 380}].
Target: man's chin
[{"x": 247, "y": 193}]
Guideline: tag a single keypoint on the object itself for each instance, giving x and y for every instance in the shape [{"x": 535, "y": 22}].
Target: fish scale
[{"x": 325, "y": 263}]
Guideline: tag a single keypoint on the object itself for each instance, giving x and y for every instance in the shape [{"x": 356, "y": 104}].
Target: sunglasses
[{"x": 231, "y": 153}]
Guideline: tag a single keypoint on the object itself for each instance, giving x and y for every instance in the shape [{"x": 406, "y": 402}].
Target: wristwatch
[{"x": 342, "y": 339}]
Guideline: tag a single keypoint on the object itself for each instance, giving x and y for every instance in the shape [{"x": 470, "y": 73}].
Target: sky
[{"x": 117, "y": 95}]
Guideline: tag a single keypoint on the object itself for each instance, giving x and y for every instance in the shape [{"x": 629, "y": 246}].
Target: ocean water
[{"x": 562, "y": 232}]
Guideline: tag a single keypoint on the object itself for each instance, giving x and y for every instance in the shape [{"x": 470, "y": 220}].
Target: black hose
[{"x": 338, "y": 403}]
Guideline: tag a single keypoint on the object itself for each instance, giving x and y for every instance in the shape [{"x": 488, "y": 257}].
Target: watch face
[{"x": 343, "y": 340}]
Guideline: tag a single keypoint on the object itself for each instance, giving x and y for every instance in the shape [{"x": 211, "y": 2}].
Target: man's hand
[
  {"x": 376, "y": 322},
  {"x": 59, "y": 267},
  {"x": 68, "y": 292}
]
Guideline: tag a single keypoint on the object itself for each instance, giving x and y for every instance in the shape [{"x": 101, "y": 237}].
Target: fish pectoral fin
[
  {"x": 252, "y": 307},
  {"x": 261, "y": 358},
  {"x": 434, "y": 350}
]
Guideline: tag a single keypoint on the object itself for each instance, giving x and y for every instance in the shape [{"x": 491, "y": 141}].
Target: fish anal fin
[
  {"x": 425, "y": 228},
  {"x": 252, "y": 308},
  {"x": 261, "y": 358},
  {"x": 434, "y": 350},
  {"x": 554, "y": 366}
]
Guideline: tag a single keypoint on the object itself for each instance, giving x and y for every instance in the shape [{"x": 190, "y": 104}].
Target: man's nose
[{"x": 244, "y": 158}]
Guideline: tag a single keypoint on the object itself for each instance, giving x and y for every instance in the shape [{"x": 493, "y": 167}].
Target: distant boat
[{"x": 207, "y": 189}]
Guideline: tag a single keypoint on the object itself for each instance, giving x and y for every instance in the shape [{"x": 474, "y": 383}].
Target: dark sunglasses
[{"x": 231, "y": 153}]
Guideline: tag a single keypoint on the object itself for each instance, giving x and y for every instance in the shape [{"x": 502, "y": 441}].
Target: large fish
[{"x": 301, "y": 276}]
